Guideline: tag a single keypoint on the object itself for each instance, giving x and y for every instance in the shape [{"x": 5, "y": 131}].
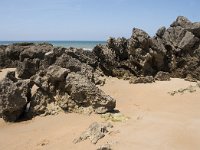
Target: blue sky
[{"x": 88, "y": 19}]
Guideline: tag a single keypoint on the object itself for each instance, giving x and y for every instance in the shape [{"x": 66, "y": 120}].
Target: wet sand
[{"x": 156, "y": 121}]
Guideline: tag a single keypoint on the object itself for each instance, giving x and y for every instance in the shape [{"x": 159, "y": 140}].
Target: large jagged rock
[
  {"x": 31, "y": 59},
  {"x": 84, "y": 56},
  {"x": 11, "y": 55},
  {"x": 119, "y": 46},
  {"x": 14, "y": 95},
  {"x": 35, "y": 51},
  {"x": 74, "y": 65},
  {"x": 122, "y": 57},
  {"x": 72, "y": 92},
  {"x": 85, "y": 94},
  {"x": 139, "y": 51},
  {"x": 106, "y": 58},
  {"x": 49, "y": 98},
  {"x": 3, "y": 56},
  {"x": 139, "y": 39},
  {"x": 51, "y": 79},
  {"x": 44, "y": 103},
  {"x": 160, "y": 32},
  {"x": 28, "y": 68},
  {"x": 188, "y": 25}
]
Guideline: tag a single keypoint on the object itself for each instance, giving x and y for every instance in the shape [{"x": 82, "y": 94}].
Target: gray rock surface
[
  {"x": 13, "y": 98},
  {"x": 105, "y": 147},
  {"x": 174, "y": 50},
  {"x": 146, "y": 79},
  {"x": 85, "y": 94},
  {"x": 94, "y": 133},
  {"x": 66, "y": 91},
  {"x": 162, "y": 76}
]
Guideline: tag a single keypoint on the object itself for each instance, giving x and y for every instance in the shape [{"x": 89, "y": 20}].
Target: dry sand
[{"x": 157, "y": 121}]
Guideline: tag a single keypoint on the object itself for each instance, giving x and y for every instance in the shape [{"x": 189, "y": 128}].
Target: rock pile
[
  {"x": 175, "y": 50},
  {"x": 66, "y": 78}
]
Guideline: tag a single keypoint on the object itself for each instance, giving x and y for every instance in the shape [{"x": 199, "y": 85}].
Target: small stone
[
  {"x": 162, "y": 76},
  {"x": 105, "y": 147},
  {"x": 95, "y": 132}
]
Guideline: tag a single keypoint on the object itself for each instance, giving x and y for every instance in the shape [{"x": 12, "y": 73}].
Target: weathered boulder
[
  {"x": 146, "y": 79},
  {"x": 161, "y": 32},
  {"x": 190, "y": 78},
  {"x": 51, "y": 79},
  {"x": 72, "y": 92},
  {"x": 159, "y": 55},
  {"x": 44, "y": 103},
  {"x": 106, "y": 58},
  {"x": 9, "y": 56},
  {"x": 181, "y": 21},
  {"x": 162, "y": 76},
  {"x": 11, "y": 75},
  {"x": 139, "y": 39},
  {"x": 188, "y": 41},
  {"x": 119, "y": 46},
  {"x": 35, "y": 51},
  {"x": 13, "y": 98},
  {"x": 28, "y": 68},
  {"x": 74, "y": 65},
  {"x": 84, "y": 56},
  {"x": 31, "y": 59},
  {"x": 17, "y": 52},
  {"x": 188, "y": 25},
  {"x": 85, "y": 94},
  {"x": 2, "y": 56}
]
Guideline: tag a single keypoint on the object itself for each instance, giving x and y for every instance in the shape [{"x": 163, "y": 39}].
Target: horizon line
[{"x": 52, "y": 40}]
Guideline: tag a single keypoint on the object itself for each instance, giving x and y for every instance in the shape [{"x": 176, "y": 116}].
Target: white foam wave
[{"x": 87, "y": 49}]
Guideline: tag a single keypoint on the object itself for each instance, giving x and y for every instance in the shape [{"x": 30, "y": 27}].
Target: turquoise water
[{"x": 88, "y": 45}]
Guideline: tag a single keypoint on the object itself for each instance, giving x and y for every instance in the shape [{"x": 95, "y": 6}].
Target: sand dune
[{"x": 156, "y": 121}]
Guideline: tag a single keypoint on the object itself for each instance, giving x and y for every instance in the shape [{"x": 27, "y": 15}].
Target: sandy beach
[{"x": 156, "y": 121}]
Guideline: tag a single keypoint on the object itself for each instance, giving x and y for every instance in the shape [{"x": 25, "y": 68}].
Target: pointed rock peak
[
  {"x": 138, "y": 33},
  {"x": 161, "y": 31},
  {"x": 181, "y": 21}
]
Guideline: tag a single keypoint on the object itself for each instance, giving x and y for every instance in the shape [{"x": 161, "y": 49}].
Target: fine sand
[{"x": 157, "y": 121}]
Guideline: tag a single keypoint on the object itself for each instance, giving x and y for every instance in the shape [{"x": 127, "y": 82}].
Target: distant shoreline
[{"x": 86, "y": 45}]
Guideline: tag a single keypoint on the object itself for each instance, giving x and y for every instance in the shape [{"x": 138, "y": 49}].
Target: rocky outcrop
[
  {"x": 67, "y": 91},
  {"x": 14, "y": 95},
  {"x": 66, "y": 78},
  {"x": 174, "y": 50}
]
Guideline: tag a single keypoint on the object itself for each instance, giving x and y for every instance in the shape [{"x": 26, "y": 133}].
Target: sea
[{"x": 86, "y": 45}]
